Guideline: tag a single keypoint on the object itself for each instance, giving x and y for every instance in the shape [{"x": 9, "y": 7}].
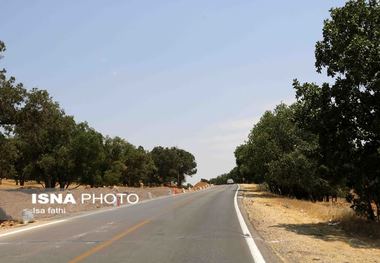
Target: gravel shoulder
[{"x": 302, "y": 231}]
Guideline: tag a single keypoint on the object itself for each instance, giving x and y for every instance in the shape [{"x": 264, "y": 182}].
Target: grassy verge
[{"x": 302, "y": 231}]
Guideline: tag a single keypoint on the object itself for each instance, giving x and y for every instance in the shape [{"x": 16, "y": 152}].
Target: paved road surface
[{"x": 195, "y": 227}]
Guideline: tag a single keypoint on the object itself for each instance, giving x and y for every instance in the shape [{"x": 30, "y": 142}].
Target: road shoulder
[{"x": 267, "y": 252}]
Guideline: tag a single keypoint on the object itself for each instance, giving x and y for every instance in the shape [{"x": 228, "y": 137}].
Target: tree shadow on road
[{"x": 327, "y": 232}]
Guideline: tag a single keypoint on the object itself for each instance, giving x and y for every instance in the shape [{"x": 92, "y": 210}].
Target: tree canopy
[
  {"x": 328, "y": 142},
  {"x": 39, "y": 141}
]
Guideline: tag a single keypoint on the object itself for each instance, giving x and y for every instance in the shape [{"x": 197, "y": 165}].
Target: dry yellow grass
[
  {"x": 302, "y": 231},
  {"x": 339, "y": 213},
  {"x": 11, "y": 184}
]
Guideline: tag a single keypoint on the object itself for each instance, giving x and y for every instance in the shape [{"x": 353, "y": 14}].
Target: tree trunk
[
  {"x": 371, "y": 214},
  {"x": 53, "y": 182},
  {"x": 48, "y": 182}
]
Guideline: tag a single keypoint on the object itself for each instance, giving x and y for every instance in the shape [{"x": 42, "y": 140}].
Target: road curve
[{"x": 194, "y": 227}]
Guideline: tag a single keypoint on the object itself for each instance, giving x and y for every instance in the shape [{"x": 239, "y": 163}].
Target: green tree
[
  {"x": 12, "y": 96},
  {"x": 8, "y": 156},
  {"x": 173, "y": 164},
  {"x": 114, "y": 175},
  {"x": 346, "y": 114},
  {"x": 272, "y": 136},
  {"x": 140, "y": 168},
  {"x": 186, "y": 165},
  {"x": 220, "y": 179},
  {"x": 38, "y": 141},
  {"x": 165, "y": 161},
  {"x": 281, "y": 154},
  {"x": 42, "y": 131},
  {"x": 234, "y": 174},
  {"x": 117, "y": 149},
  {"x": 87, "y": 154}
]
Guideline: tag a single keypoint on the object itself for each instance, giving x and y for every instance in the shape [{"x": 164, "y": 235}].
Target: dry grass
[
  {"x": 11, "y": 184},
  {"x": 359, "y": 226},
  {"x": 336, "y": 213},
  {"x": 302, "y": 231}
]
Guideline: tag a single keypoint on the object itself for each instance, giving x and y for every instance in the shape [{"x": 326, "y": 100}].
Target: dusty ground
[
  {"x": 200, "y": 185},
  {"x": 302, "y": 231},
  {"x": 11, "y": 184},
  {"x": 13, "y": 201}
]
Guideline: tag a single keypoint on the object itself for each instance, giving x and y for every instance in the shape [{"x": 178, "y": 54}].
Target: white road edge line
[
  {"x": 101, "y": 210},
  {"x": 255, "y": 252},
  {"x": 31, "y": 228}
]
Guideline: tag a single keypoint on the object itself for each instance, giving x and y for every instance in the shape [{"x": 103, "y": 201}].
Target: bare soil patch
[{"x": 201, "y": 185}]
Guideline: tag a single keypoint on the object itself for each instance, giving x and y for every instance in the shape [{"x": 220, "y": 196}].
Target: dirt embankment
[
  {"x": 201, "y": 185},
  {"x": 302, "y": 231},
  {"x": 14, "y": 201}
]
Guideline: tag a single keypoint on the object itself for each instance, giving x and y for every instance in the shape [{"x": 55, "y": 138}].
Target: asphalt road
[{"x": 195, "y": 227}]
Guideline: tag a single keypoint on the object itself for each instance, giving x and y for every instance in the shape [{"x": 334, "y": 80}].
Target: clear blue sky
[{"x": 193, "y": 74}]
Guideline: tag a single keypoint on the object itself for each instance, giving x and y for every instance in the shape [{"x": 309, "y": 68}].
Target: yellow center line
[{"x": 109, "y": 242}]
